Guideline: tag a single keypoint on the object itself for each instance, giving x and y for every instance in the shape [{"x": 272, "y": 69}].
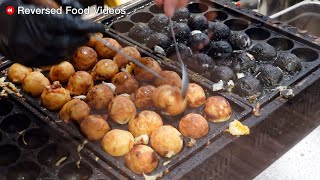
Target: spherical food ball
[
  {"x": 263, "y": 52},
  {"x": 85, "y": 58},
  {"x": 195, "y": 95},
  {"x": 117, "y": 142},
  {"x": 220, "y": 50},
  {"x": 169, "y": 77},
  {"x": 159, "y": 22},
  {"x": 288, "y": 62},
  {"x": 181, "y": 14},
  {"x": 61, "y": 72},
  {"x": 247, "y": 86},
  {"x": 105, "y": 69},
  {"x": 198, "y": 42},
  {"x": 193, "y": 125},
  {"x": 99, "y": 96},
  {"x": 159, "y": 39},
  {"x": 17, "y": 72},
  {"x": 185, "y": 52},
  {"x": 218, "y": 31},
  {"x": 55, "y": 96},
  {"x": 144, "y": 75},
  {"x": 165, "y": 140},
  {"x": 145, "y": 123},
  {"x": 121, "y": 61},
  {"x": 217, "y": 109},
  {"x": 239, "y": 40},
  {"x": 270, "y": 75},
  {"x": 104, "y": 51},
  {"x": 198, "y": 22},
  {"x": 140, "y": 32},
  {"x": 181, "y": 31},
  {"x": 142, "y": 159},
  {"x": 168, "y": 99},
  {"x": 80, "y": 83},
  {"x": 74, "y": 110},
  {"x": 125, "y": 83},
  {"x": 121, "y": 109},
  {"x": 142, "y": 98},
  {"x": 199, "y": 62},
  {"x": 243, "y": 62},
  {"x": 93, "y": 41},
  {"x": 34, "y": 83},
  {"x": 222, "y": 73},
  {"x": 94, "y": 127}
]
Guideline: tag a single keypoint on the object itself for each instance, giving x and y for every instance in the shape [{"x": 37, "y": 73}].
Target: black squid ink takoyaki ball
[
  {"x": 140, "y": 32},
  {"x": 219, "y": 50},
  {"x": 288, "y": 62},
  {"x": 198, "y": 22},
  {"x": 198, "y": 42},
  {"x": 239, "y": 40},
  {"x": 184, "y": 50},
  {"x": 159, "y": 39},
  {"x": 181, "y": 31},
  {"x": 263, "y": 52},
  {"x": 200, "y": 62},
  {"x": 218, "y": 31},
  {"x": 222, "y": 73},
  {"x": 270, "y": 75},
  {"x": 182, "y": 14},
  {"x": 243, "y": 62},
  {"x": 247, "y": 86},
  {"x": 159, "y": 22}
]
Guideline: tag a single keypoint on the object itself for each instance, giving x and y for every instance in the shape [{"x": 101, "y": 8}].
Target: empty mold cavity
[
  {"x": 143, "y": 17},
  {"x": 52, "y": 155},
  {"x": 15, "y": 123},
  {"x": 122, "y": 26},
  {"x": 71, "y": 171},
  {"x": 6, "y": 106},
  {"x": 8, "y": 154},
  {"x": 216, "y": 15},
  {"x": 306, "y": 54},
  {"x": 155, "y": 9},
  {"x": 33, "y": 139},
  {"x": 258, "y": 33},
  {"x": 281, "y": 44},
  {"x": 237, "y": 24},
  {"x": 197, "y": 7},
  {"x": 25, "y": 170}
]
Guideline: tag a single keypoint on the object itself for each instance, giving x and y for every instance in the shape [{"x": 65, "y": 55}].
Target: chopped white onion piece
[{"x": 217, "y": 86}]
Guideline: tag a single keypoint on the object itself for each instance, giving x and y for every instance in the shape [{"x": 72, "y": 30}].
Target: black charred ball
[
  {"x": 270, "y": 75},
  {"x": 243, "y": 62},
  {"x": 263, "y": 52},
  {"x": 198, "y": 42},
  {"x": 159, "y": 23},
  {"x": 182, "y": 14},
  {"x": 239, "y": 40},
  {"x": 198, "y": 22},
  {"x": 218, "y": 31},
  {"x": 221, "y": 73},
  {"x": 200, "y": 63},
  {"x": 247, "y": 86},
  {"x": 288, "y": 62},
  {"x": 140, "y": 32},
  {"x": 181, "y": 30},
  {"x": 159, "y": 39},
  {"x": 220, "y": 50},
  {"x": 184, "y": 50}
]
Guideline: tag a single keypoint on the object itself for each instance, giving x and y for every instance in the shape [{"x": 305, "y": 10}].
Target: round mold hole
[
  {"x": 51, "y": 154},
  {"x": 8, "y": 154},
  {"x": 216, "y": 15},
  {"x": 281, "y": 44},
  {"x": 6, "y": 106},
  {"x": 143, "y": 17},
  {"x": 156, "y": 10},
  {"x": 27, "y": 170},
  {"x": 237, "y": 24},
  {"x": 306, "y": 54},
  {"x": 33, "y": 139},
  {"x": 72, "y": 172},
  {"x": 258, "y": 33},
  {"x": 15, "y": 123},
  {"x": 122, "y": 26},
  {"x": 197, "y": 7}
]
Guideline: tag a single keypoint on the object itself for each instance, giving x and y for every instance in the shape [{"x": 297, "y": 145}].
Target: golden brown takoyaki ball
[
  {"x": 142, "y": 74},
  {"x": 93, "y": 41},
  {"x": 121, "y": 109},
  {"x": 55, "y": 96},
  {"x": 17, "y": 72},
  {"x": 170, "y": 78},
  {"x": 80, "y": 83},
  {"x": 99, "y": 97},
  {"x": 121, "y": 61},
  {"x": 104, "y": 51},
  {"x": 117, "y": 142},
  {"x": 85, "y": 58},
  {"x": 94, "y": 127},
  {"x": 34, "y": 83},
  {"x": 61, "y": 72},
  {"x": 125, "y": 83},
  {"x": 193, "y": 125},
  {"x": 142, "y": 98},
  {"x": 217, "y": 109},
  {"x": 74, "y": 110},
  {"x": 105, "y": 69},
  {"x": 195, "y": 95}
]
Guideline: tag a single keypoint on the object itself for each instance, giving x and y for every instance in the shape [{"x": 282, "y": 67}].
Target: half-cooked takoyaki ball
[
  {"x": 125, "y": 83},
  {"x": 288, "y": 62},
  {"x": 181, "y": 31},
  {"x": 200, "y": 62},
  {"x": 166, "y": 141},
  {"x": 145, "y": 123},
  {"x": 198, "y": 22},
  {"x": 55, "y": 96},
  {"x": 34, "y": 83},
  {"x": 142, "y": 98},
  {"x": 193, "y": 125},
  {"x": 74, "y": 110},
  {"x": 104, "y": 51},
  {"x": 159, "y": 22},
  {"x": 140, "y": 32},
  {"x": 143, "y": 75},
  {"x": 270, "y": 75},
  {"x": 217, "y": 109},
  {"x": 93, "y": 41},
  {"x": 105, "y": 69},
  {"x": 121, "y": 61},
  {"x": 220, "y": 50},
  {"x": 239, "y": 40},
  {"x": 121, "y": 109},
  {"x": 99, "y": 96},
  {"x": 17, "y": 72},
  {"x": 85, "y": 58},
  {"x": 181, "y": 14},
  {"x": 263, "y": 52},
  {"x": 61, "y": 72},
  {"x": 218, "y": 31},
  {"x": 168, "y": 100},
  {"x": 159, "y": 39},
  {"x": 169, "y": 77},
  {"x": 184, "y": 51},
  {"x": 198, "y": 42},
  {"x": 142, "y": 159},
  {"x": 243, "y": 62},
  {"x": 117, "y": 142},
  {"x": 80, "y": 83},
  {"x": 195, "y": 95},
  {"x": 223, "y": 73},
  {"x": 94, "y": 127},
  {"x": 247, "y": 86}
]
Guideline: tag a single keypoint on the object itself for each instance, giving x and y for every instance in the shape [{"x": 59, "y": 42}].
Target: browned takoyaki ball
[
  {"x": 99, "y": 96},
  {"x": 169, "y": 77},
  {"x": 142, "y": 98},
  {"x": 104, "y": 51},
  {"x": 142, "y": 159},
  {"x": 193, "y": 125},
  {"x": 17, "y": 72},
  {"x": 34, "y": 83},
  {"x": 61, "y": 72},
  {"x": 93, "y": 41},
  {"x": 217, "y": 109},
  {"x": 74, "y": 110},
  {"x": 144, "y": 75},
  {"x": 80, "y": 83},
  {"x": 55, "y": 96},
  {"x": 117, "y": 142},
  {"x": 121, "y": 61},
  {"x": 195, "y": 95},
  {"x": 121, "y": 109},
  {"x": 168, "y": 99},
  {"x": 94, "y": 127},
  {"x": 125, "y": 83},
  {"x": 105, "y": 69},
  {"x": 85, "y": 58}
]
